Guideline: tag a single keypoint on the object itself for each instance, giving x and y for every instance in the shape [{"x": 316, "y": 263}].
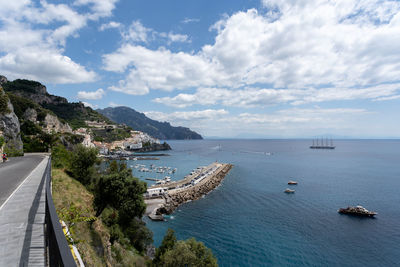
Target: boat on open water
[
  {"x": 289, "y": 191},
  {"x": 358, "y": 211},
  {"x": 322, "y": 144}
]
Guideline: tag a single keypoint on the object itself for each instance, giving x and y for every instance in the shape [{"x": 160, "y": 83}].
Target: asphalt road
[{"x": 14, "y": 171}]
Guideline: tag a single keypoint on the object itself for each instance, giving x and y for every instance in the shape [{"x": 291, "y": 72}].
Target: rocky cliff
[
  {"x": 10, "y": 127},
  {"x": 53, "y": 125}
]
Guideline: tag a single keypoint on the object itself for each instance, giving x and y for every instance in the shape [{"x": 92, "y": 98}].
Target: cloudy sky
[{"x": 243, "y": 68}]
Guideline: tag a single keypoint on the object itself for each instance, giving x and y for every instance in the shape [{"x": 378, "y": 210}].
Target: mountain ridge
[{"x": 140, "y": 122}]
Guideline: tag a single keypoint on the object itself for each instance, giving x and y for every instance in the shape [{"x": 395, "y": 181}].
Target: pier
[{"x": 165, "y": 198}]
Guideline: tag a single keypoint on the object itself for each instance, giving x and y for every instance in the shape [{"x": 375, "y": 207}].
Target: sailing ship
[{"x": 320, "y": 144}]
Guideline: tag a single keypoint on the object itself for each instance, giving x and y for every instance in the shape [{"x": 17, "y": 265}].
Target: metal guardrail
[{"x": 58, "y": 249}]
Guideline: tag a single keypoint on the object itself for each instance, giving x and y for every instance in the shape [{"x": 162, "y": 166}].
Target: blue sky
[{"x": 256, "y": 68}]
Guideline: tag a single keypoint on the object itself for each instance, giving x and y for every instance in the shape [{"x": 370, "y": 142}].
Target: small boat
[
  {"x": 292, "y": 182},
  {"x": 357, "y": 210},
  {"x": 289, "y": 191}
]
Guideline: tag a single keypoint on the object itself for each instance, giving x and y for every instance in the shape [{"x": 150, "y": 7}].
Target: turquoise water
[{"x": 249, "y": 221}]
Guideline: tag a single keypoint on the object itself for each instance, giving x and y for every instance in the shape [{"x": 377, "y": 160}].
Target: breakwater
[{"x": 164, "y": 199}]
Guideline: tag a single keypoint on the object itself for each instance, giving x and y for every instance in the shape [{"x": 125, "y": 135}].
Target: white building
[
  {"x": 157, "y": 191},
  {"x": 87, "y": 141}
]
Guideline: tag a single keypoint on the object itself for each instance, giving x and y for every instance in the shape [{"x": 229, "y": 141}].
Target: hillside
[
  {"x": 45, "y": 119},
  {"x": 75, "y": 114},
  {"x": 138, "y": 121}
]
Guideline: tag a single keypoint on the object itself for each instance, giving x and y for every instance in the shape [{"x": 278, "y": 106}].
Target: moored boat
[
  {"x": 289, "y": 191},
  {"x": 292, "y": 182},
  {"x": 357, "y": 210}
]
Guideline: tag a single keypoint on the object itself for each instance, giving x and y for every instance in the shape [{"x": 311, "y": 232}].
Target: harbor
[{"x": 164, "y": 198}]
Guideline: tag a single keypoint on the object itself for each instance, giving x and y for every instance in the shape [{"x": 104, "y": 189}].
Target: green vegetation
[
  {"x": 118, "y": 196},
  {"x": 183, "y": 253},
  {"x": 30, "y": 91},
  {"x": 22, "y": 85},
  {"x": 40, "y": 142},
  {"x": 82, "y": 162},
  {"x": 119, "y": 201},
  {"x": 21, "y": 104},
  {"x": 90, "y": 235},
  {"x": 2, "y": 141},
  {"x": 3, "y": 102},
  {"x": 12, "y": 151},
  {"x": 76, "y": 114},
  {"x": 111, "y": 135},
  {"x": 106, "y": 207}
]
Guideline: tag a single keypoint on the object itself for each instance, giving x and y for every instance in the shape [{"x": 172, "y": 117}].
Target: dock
[{"x": 165, "y": 198}]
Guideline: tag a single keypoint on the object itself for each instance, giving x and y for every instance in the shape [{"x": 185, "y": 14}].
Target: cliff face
[
  {"x": 53, "y": 124},
  {"x": 10, "y": 127}
]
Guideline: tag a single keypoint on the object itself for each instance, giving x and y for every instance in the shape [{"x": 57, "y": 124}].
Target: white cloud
[
  {"x": 132, "y": 85},
  {"x": 113, "y": 105},
  {"x": 387, "y": 98},
  {"x": 90, "y": 105},
  {"x": 260, "y": 97},
  {"x": 36, "y": 63},
  {"x": 153, "y": 69},
  {"x": 137, "y": 32},
  {"x": 189, "y": 20},
  {"x": 110, "y": 25},
  {"x": 33, "y": 38},
  {"x": 320, "y": 49},
  {"x": 187, "y": 115},
  {"x": 177, "y": 38},
  {"x": 285, "y": 123},
  {"x": 95, "y": 95},
  {"x": 99, "y": 8}
]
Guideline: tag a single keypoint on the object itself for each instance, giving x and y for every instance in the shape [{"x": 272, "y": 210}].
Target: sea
[{"x": 249, "y": 221}]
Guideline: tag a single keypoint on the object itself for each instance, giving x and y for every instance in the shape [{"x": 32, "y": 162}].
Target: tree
[
  {"x": 60, "y": 156},
  {"x": 168, "y": 243},
  {"x": 138, "y": 234},
  {"x": 120, "y": 190},
  {"x": 188, "y": 253},
  {"x": 82, "y": 163},
  {"x": 119, "y": 200}
]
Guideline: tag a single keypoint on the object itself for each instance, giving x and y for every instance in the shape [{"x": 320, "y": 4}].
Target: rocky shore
[{"x": 174, "y": 199}]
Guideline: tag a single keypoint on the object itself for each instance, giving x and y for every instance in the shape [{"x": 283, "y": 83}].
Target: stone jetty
[{"x": 166, "y": 198}]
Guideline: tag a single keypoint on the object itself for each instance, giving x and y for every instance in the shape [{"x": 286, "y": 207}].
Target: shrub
[
  {"x": 3, "y": 102},
  {"x": 60, "y": 156},
  {"x": 82, "y": 163}
]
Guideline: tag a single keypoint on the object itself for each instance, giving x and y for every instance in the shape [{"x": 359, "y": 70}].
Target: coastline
[{"x": 175, "y": 195}]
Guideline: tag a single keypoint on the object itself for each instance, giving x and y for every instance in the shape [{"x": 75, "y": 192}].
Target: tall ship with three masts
[{"x": 322, "y": 144}]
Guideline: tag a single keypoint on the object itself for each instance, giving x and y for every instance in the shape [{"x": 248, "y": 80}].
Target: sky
[{"x": 236, "y": 69}]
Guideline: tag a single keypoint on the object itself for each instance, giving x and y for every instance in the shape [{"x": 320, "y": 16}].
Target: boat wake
[{"x": 257, "y": 152}]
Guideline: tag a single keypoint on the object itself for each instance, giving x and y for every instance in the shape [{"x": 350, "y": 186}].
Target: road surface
[{"x": 14, "y": 171}]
